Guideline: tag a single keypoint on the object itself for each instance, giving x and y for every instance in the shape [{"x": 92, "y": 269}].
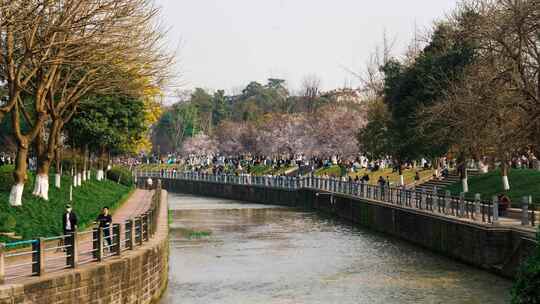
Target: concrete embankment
[{"x": 493, "y": 247}]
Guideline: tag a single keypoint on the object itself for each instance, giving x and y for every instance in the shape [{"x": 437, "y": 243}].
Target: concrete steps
[
  {"x": 439, "y": 183},
  {"x": 442, "y": 183}
]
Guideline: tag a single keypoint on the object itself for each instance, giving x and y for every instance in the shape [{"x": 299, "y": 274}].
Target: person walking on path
[
  {"x": 416, "y": 178},
  {"x": 69, "y": 225},
  {"x": 382, "y": 185},
  {"x": 104, "y": 221},
  {"x": 69, "y": 221},
  {"x": 364, "y": 181}
]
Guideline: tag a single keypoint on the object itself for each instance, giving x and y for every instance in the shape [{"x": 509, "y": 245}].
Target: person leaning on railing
[
  {"x": 504, "y": 204},
  {"x": 382, "y": 185}
]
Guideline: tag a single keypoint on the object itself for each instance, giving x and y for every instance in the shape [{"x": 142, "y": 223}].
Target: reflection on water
[{"x": 228, "y": 252}]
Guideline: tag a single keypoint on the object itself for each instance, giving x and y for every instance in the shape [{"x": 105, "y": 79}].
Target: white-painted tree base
[
  {"x": 465, "y": 185},
  {"x": 15, "y": 196},
  {"x": 506, "y": 184},
  {"x": 58, "y": 181},
  {"x": 88, "y": 175},
  {"x": 401, "y": 180},
  {"x": 100, "y": 175},
  {"x": 84, "y": 175},
  {"x": 483, "y": 167},
  {"x": 41, "y": 188},
  {"x": 79, "y": 179},
  {"x": 75, "y": 183}
]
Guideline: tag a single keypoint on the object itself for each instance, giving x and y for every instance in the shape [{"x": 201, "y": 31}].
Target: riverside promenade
[
  {"x": 132, "y": 270},
  {"x": 18, "y": 264}
]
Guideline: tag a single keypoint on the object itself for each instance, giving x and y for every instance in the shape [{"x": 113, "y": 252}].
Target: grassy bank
[
  {"x": 157, "y": 167},
  {"x": 265, "y": 170},
  {"x": 260, "y": 170},
  {"x": 408, "y": 174},
  {"x": 39, "y": 218},
  {"x": 334, "y": 171},
  {"x": 522, "y": 182}
]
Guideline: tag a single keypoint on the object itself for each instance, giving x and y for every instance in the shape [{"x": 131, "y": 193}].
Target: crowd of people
[{"x": 6, "y": 159}]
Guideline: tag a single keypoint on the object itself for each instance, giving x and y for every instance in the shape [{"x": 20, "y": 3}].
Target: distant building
[{"x": 344, "y": 95}]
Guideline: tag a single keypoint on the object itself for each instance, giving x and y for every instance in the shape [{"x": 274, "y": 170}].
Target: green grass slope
[
  {"x": 40, "y": 218},
  {"x": 522, "y": 182},
  {"x": 333, "y": 170},
  {"x": 260, "y": 170},
  {"x": 408, "y": 174}
]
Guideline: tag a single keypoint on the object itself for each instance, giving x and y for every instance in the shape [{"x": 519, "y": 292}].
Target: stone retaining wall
[
  {"x": 138, "y": 276},
  {"x": 495, "y": 248}
]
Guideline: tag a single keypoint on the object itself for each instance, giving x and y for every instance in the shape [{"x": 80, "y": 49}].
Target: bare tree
[
  {"x": 372, "y": 78},
  {"x": 84, "y": 46},
  {"x": 19, "y": 25},
  {"x": 481, "y": 115},
  {"x": 309, "y": 93},
  {"x": 508, "y": 35}
]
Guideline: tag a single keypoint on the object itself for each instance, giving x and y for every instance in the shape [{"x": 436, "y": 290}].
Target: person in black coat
[
  {"x": 69, "y": 221},
  {"x": 104, "y": 221},
  {"x": 69, "y": 226}
]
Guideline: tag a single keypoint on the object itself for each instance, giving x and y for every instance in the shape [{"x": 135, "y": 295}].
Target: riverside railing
[
  {"x": 476, "y": 210},
  {"x": 45, "y": 255}
]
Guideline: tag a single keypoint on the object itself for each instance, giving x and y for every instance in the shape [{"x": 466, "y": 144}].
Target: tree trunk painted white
[
  {"x": 88, "y": 175},
  {"x": 79, "y": 179},
  {"x": 58, "y": 180},
  {"x": 483, "y": 168},
  {"x": 84, "y": 175},
  {"x": 465, "y": 185},
  {"x": 41, "y": 188},
  {"x": 75, "y": 180},
  {"x": 506, "y": 184},
  {"x": 401, "y": 180},
  {"x": 15, "y": 196},
  {"x": 99, "y": 175}
]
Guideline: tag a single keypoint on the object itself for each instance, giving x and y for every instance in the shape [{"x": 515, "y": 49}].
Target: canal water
[{"x": 228, "y": 252}]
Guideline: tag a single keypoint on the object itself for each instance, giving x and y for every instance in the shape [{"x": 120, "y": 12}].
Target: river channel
[{"x": 231, "y": 252}]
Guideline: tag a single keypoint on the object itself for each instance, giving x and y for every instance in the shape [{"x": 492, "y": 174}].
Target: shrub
[
  {"x": 6, "y": 177},
  {"x": 7, "y": 223},
  {"x": 526, "y": 289},
  {"x": 122, "y": 174}
]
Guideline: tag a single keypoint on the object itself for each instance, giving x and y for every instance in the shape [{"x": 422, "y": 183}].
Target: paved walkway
[{"x": 137, "y": 203}]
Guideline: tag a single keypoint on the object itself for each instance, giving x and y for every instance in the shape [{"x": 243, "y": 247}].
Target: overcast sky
[{"x": 227, "y": 43}]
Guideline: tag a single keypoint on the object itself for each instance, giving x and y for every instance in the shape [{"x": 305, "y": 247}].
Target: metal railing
[
  {"x": 45, "y": 255},
  {"x": 435, "y": 202}
]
